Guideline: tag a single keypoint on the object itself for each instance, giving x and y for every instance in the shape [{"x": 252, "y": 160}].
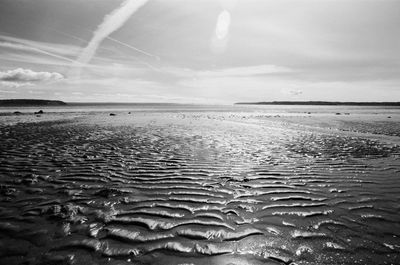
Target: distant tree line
[{"x": 30, "y": 102}]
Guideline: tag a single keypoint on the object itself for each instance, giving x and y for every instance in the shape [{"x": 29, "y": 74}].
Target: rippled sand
[{"x": 199, "y": 188}]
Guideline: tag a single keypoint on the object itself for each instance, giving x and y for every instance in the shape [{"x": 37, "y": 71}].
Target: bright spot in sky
[{"x": 223, "y": 23}]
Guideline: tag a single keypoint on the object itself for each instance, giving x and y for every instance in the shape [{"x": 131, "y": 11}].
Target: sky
[{"x": 200, "y": 51}]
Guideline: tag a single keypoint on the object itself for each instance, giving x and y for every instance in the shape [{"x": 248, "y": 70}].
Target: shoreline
[{"x": 323, "y": 103}]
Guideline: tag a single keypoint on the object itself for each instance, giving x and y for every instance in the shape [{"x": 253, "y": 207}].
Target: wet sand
[{"x": 200, "y": 187}]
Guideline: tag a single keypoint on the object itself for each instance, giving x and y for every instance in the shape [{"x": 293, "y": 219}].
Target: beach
[{"x": 188, "y": 184}]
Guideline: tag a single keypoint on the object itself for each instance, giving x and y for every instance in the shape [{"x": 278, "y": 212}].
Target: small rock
[
  {"x": 39, "y": 112},
  {"x": 304, "y": 252},
  {"x": 113, "y": 114},
  {"x": 69, "y": 212},
  {"x": 94, "y": 229}
]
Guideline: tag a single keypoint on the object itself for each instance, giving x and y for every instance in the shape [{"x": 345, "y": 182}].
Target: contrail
[
  {"x": 108, "y": 38},
  {"x": 68, "y": 35},
  {"x": 133, "y": 48},
  {"x": 111, "y": 23},
  {"x": 34, "y": 49}
]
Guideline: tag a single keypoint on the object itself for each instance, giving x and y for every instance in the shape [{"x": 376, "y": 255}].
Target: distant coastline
[
  {"x": 44, "y": 102},
  {"x": 321, "y": 103},
  {"x": 30, "y": 102}
]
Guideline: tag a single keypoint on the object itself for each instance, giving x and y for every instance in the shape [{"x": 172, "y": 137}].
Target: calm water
[
  {"x": 176, "y": 184},
  {"x": 103, "y": 107}
]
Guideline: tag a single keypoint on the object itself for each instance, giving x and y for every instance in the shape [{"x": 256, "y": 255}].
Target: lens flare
[
  {"x": 219, "y": 40},
  {"x": 223, "y": 24}
]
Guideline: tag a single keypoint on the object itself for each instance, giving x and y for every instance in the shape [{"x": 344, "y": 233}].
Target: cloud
[{"x": 26, "y": 77}]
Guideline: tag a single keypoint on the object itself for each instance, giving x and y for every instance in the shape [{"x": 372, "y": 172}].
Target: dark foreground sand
[{"x": 199, "y": 188}]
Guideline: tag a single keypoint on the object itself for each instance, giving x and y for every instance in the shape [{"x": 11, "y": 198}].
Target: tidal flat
[{"x": 200, "y": 185}]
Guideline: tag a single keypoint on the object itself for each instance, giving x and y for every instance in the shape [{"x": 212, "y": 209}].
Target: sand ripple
[{"x": 195, "y": 190}]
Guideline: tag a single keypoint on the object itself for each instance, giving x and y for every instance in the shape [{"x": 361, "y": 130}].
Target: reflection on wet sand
[{"x": 198, "y": 188}]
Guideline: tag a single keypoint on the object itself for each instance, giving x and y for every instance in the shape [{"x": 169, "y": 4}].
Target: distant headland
[
  {"x": 321, "y": 103},
  {"x": 30, "y": 102}
]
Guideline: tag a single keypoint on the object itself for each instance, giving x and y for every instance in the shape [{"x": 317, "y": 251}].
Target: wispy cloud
[
  {"x": 23, "y": 47},
  {"x": 55, "y": 48},
  {"x": 179, "y": 73},
  {"x": 246, "y": 71},
  {"x": 7, "y": 91},
  {"x": 13, "y": 85},
  {"x": 25, "y": 52}
]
